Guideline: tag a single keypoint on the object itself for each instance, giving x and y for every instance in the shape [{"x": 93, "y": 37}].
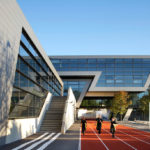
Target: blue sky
[{"x": 90, "y": 27}]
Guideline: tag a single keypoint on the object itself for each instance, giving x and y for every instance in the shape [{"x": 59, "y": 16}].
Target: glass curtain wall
[
  {"x": 33, "y": 80},
  {"x": 116, "y": 72},
  {"x": 76, "y": 85},
  {"x": 96, "y": 102}
]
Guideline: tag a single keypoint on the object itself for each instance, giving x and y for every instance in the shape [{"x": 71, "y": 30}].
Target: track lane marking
[
  {"x": 122, "y": 141},
  {"x": 23, "y": 145},
  {"x": 135, "y": 128},
  {"x": 39, "y": 142},
  {"x": 49, "y": 142},
  {"x": 140, "y": 133},
  {"x": 99, "y": 139},
  {"x": 134, "y": 137}
]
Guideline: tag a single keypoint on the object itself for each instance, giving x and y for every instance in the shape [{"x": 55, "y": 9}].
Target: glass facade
[
  {"x": 77, "y": 86},
  {"x": 116, "y": 72},
  {"x": 96, "y": 102},
  {"x": 33, "y": 80}
]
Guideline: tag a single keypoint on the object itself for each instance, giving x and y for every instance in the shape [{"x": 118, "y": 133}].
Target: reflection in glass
[
  {"x": 33, "y": 80},
  {"x": 133, "y": 72}
]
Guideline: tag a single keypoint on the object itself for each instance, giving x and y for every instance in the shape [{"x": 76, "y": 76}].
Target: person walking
[
  {"x": 113, "y": 126},
  {"x": 83, "y": 123},
  {"x": 99, "y": 124}
]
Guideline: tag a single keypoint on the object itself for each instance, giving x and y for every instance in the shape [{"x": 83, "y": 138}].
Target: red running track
[{"x": 126, "y": 138}]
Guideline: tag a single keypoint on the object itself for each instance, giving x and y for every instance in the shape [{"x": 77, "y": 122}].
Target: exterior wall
[
  {"x": 21, "y": 128},
  {"x": 10, "y": 31},
  {"x": 69, "y": 112},
  {"x": 12, "y": 21}
]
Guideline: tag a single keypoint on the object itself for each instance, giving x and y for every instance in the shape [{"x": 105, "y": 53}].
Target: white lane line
[
  {"x": 79, "y": 145},
  {"x": 139, "y": 130},
  {"x": 49, "y": 142},
  {"x": 39, "y": 142},
  {"x": 140, "y": 133},
  {"x": 136, "y": 128},
  {"x": 23, "y": 145},
  {"x": 122, "y": 141},
  {"x": 134, "y": 137},
  {"x": 100, "y": 139}
]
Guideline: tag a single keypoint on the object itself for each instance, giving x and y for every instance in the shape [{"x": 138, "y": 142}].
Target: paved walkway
[{"x": 48, "y": 141}]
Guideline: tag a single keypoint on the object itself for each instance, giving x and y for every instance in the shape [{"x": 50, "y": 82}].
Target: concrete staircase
[{"x": 53, "y": 118}]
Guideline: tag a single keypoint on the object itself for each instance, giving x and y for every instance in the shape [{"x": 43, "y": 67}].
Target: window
[{"x": 33, "y": 80}]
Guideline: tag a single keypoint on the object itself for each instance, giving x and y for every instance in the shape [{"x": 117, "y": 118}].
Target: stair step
[
  {"x": 53, "y": 121},
  {"x": 47, "y": 123},
  {"x": 56, "y": 109},
  {"x": 54, "y": 105},
  {"x": 44, "y": 129},
  {"x": 58, "y": 105},
  {"x": 49, "y": 130},
  {"x": 58, "y": 102},
  {"x": 53, "y": 117},
  {"x": 50, "y": 126},
  {"x": 53, "y": 114}
]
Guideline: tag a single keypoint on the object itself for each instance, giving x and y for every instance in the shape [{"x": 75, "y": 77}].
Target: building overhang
[
  {"x": 96, "y": 75},
  {"x": 100, "y": 94}
]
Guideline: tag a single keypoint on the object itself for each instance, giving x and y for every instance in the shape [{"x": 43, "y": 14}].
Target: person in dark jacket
[
  {"x": 83, "y": 123},
  {"x": 113, "y": 126},
  {"x": 99, "y": 124}
]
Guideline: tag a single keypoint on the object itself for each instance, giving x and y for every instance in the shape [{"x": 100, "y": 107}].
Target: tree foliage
[
  {"x": 144, "y": 103},
  {"x": 120, "y": 103}
]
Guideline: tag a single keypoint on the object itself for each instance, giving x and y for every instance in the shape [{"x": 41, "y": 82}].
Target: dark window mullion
[
  {"x": 31, "y": 55},
  {"x": 33, "y": 69},
  {"x": 30, "y": 79},
  {"x": 24, "y": 90},
  {"x": 22, "y": 44}
]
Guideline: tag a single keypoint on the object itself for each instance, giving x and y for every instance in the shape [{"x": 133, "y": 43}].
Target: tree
[
  {"x": 108, "y": 103},
  {"x": 120, "y": 103},
  {"x": 144, "y": 103},
  {"x": 134, "y": 98}
]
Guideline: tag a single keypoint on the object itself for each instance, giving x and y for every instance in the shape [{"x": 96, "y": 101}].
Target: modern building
[
  {"x": 27, "y": 76},
  {"x": 30, "y": 80},
  {"x": 99, "y": 77}
]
